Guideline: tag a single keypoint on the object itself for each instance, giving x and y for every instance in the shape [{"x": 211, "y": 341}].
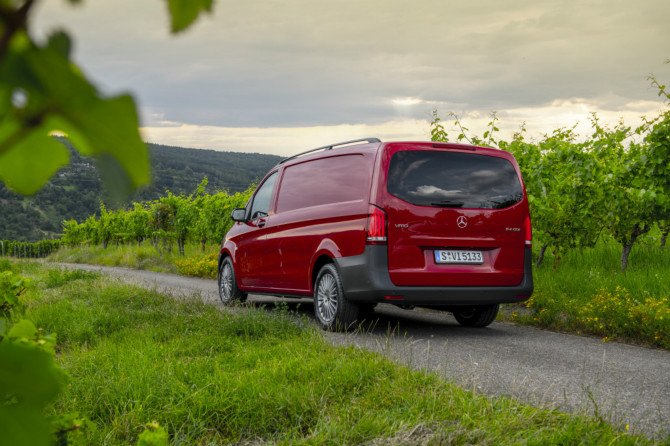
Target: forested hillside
[{"x": 75, "y": 191}]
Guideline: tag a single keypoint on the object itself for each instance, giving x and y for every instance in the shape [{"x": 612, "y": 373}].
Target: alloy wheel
[{"x": 326, "y": 298}]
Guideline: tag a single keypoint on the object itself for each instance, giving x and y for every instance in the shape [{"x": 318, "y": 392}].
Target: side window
[
  {"x": 324, "y": 181},
  {"x": 261, "y": 204}
]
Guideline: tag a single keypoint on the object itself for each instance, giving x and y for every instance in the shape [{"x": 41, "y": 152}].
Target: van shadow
[{"x": 387, "y": 320}]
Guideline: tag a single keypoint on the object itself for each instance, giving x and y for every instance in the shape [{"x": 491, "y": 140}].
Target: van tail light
[
  {"x": 376, "y": 229},
  {"x": 529, "y": 232}
]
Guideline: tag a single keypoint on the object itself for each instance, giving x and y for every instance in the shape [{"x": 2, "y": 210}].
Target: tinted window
[
  {"x": 324, "y": 181},
  {"x": 451, "y": 179},
  {"x": 261, "y": 204}
]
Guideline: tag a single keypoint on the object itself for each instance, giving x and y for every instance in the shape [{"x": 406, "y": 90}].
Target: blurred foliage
[{"x": 42, "y": 92}]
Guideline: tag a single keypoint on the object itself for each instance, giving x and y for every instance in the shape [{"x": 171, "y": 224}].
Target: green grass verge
[
  {"x": 256, "y": 376},
  {"x": 588, "y": 294},
  {"x": 194, "y": 262},
  {"x": 129, "y": 256}
]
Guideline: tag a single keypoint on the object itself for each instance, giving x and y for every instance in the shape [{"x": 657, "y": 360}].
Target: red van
[{"x": 436, "y": 225}]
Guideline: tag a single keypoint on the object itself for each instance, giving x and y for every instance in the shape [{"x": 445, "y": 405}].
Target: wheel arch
[
  {"x": 222, "y": 255},
  {"x": 324, "y": 254},
  {"x": 320, "y": 261}
]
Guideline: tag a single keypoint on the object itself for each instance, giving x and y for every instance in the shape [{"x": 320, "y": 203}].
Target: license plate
[{"x": 453, "y": 256}]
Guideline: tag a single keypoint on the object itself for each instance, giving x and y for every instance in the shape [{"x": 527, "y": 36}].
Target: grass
[
  {"x": 587, "y": 293},
  {"x": 130, "y": 256},
  {"x": 195, "y": 262},
  {"x": 256, "y": 376}
]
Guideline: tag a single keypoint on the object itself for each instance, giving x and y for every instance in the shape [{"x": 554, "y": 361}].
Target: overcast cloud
[{"x": 280, "y": 76}]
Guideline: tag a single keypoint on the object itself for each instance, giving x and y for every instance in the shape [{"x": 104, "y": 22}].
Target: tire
[
  {"x": 366, "y": 311},
  {"x": 228, "y": 290},
  {"x": 332, "y": 310},
  {"x": 478, "y": 316}
]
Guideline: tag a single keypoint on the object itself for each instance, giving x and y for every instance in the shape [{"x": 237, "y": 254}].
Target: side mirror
[{"x": 239, "y": 214}]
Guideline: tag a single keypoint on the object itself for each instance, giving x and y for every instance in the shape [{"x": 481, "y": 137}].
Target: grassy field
[
  {"x": 585, "y": 294},
  {"x": 588, "y": 294},
  {"x": 256, "y": 376},
  {"x": 195, "y": 262}
]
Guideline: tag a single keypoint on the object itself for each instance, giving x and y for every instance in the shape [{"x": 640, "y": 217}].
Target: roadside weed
[
  {"x": 586, "y": 295},
  {"x": 199, "y": 265}
]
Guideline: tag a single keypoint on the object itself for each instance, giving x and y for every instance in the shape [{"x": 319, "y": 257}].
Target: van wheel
[
  {"x": 228, "y": 290},
  {"x": 478, "y": 316},
  {"x": 366, "y": 311},
  {"x": 332, "y": 310}
]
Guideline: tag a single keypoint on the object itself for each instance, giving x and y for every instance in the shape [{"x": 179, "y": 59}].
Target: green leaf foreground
[
  {"x": 184, "y": 12},
  {"x": 30, "y": 379},
  {"x": 42, "y": 93}
]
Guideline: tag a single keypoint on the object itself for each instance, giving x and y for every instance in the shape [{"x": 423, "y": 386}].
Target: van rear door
[{"x": 456, "y": 215}]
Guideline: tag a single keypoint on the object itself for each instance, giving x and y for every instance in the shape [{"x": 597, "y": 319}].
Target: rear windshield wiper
[{"x": 448, "y": 204}]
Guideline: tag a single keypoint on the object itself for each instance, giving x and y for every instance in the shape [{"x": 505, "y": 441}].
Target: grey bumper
[{"x": 365, "y": 278}]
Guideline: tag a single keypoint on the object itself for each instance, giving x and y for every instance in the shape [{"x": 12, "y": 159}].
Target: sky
[{"x": 281, "y": 77}]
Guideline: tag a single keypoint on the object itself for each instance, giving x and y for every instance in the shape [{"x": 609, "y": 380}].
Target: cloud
[
  {"x": 301, "y": 64},
  {"x": 286, "y": 141},
  {"x": 283, "y": 141}
]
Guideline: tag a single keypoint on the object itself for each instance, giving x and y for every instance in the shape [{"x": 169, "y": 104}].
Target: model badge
[
  {"x": 513, "y": 229},
  {"x": 462, "y": 221},
  {"x": 401, "y": 225}
]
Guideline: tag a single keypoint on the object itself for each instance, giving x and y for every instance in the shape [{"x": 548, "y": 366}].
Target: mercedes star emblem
[{"x": 462, "y": 221}]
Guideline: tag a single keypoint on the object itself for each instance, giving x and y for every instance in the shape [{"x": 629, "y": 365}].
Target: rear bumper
[{"x": 365, "y": 278}]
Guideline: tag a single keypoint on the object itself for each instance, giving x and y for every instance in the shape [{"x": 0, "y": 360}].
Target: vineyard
[
  {"x": 611, "y": 188},
  {"x": 199, "y": 218},
  {"x": 42, "y": 248}
]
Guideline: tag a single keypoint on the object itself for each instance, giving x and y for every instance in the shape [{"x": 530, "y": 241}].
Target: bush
[{"x": 204, "y": 266}]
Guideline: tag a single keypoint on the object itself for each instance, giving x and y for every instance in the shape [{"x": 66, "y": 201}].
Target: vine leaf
[
  {"x": 55, "y": 97},
  {"x": 23, "y": 329},
  {"x": 184, "y": 12},
  {"x": 32, "y": 161},
  {"x": 30, "y": 375}
]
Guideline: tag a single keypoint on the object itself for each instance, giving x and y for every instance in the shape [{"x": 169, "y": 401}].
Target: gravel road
[{"x": 624, "y": 384}]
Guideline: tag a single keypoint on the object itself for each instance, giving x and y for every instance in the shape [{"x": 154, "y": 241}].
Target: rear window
[{"x": 452, "y": 179}]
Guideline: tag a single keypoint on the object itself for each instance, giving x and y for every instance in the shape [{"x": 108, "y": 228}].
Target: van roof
[
  {"x": 433, "y": 144},
  {"x": 331, "y": 146}
]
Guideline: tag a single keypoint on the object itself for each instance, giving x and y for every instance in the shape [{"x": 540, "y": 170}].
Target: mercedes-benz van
[{"x": 353, "y": 224}]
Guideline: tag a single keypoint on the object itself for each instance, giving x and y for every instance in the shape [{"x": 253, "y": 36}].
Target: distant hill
[{"x": 75, "y": 191}]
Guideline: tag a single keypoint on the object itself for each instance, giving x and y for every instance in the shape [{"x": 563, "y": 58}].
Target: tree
[
  {"x": 625, "y": 193},
  {"x": 439, "y": 134},
  {"x": 104, "y": 226},
  {"x": 182, "y": 213},
  {"x": 657, "y": 160},
  {"x": 138, "y": 223}
]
